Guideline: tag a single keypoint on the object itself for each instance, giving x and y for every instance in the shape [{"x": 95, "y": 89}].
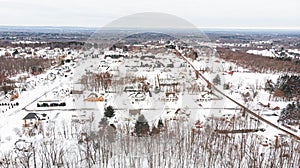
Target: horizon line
[{"x": 198, "y": 27}]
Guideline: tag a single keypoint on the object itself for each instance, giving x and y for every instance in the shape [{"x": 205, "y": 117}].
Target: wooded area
[{"x": 257, "y": 63}]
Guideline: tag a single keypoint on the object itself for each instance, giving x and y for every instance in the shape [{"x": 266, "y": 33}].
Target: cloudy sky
[{"x": 202, "y": 13}]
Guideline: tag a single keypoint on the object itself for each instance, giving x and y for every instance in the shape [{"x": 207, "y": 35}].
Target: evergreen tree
[
  {"x": 103, "y": 121},
  {"x": 290, "y": 113},
  {"x": 269, "y": 86},
  {"x": 141, "y": 126},
  {"x": 217, "y": 80},
  {"x": 109, "y": 112},
  {"x": 289, "y": 85}
]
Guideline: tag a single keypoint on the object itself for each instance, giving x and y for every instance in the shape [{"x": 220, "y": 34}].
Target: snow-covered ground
[
  {"x": 266, "y": 53},
  {"x": 12, "y": 119},
  {"x": 290, "y": 53},
  {"x": 174, "y": 94}
]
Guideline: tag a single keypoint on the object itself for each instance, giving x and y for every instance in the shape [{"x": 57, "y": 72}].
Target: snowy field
[{"x": 171, "y": 95}]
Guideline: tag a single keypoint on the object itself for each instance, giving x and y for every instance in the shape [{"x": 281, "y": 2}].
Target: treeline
[
  {"x": 57, "y": 44},
  {"x": 287, "y": 86},
  {"x": 176, "y": 146},
  {"x": 258, "y": 63},
  {"x": 291, "y": 114},
  {"x": 13, "y": 66}
]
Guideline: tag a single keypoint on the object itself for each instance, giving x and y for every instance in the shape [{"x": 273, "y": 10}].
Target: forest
[{"x": 257, "y": 63}]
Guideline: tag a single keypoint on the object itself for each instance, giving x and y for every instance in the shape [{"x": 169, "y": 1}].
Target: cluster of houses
[
  {"x": 158, "y": 74},
  {"x": 154, "y": 75},
  {"x": 30, "y": 52}
]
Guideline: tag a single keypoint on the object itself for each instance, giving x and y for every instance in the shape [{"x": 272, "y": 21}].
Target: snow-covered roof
[{"x": 31, "y": 116}]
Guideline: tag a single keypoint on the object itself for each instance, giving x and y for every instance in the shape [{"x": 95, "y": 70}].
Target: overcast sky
[{"x": 202, "y": 13}]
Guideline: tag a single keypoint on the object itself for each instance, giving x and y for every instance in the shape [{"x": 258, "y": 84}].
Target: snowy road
[
  {"x": 32, "y": 100},
  {"x": 274, "y": 125}
]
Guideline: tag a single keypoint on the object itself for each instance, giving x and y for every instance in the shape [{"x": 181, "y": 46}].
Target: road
[
  {"x": 242, "y": 106},
  {"x": 34, "y": 100}
]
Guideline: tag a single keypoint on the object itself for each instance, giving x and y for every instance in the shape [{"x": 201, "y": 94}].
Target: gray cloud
[{"x": 204, "y": 13}]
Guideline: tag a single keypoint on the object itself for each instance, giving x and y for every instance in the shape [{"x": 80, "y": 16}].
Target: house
[
  {"x": 147, "y": 56},
  {"x": 171, "y": 96},
  {"x": 134, "y": 112},
  {"x": 31, "y": 119},
  {"x": 139, "y": 97},
  {"x": 93, "y": 97},
  {"x": 114, "y": 55}
]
